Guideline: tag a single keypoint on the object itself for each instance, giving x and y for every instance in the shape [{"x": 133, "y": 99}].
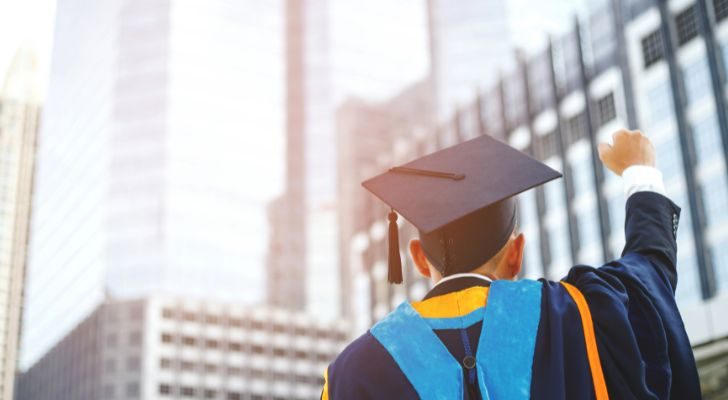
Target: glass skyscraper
[{"x": 149, "y": 163}]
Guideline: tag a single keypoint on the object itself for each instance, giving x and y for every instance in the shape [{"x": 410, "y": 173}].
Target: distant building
[
  {"x": 286, "y": 264},
  {"x": 169, "y": 348},
  {"x": 19, "y": 115},
  {"x": 660, "y": 66},
  {"x": 305, "y": 273},
  {"x": 151, "y": 171},
  {"x": 469, "y": 42},
  {"x": 368, "y": 135}
]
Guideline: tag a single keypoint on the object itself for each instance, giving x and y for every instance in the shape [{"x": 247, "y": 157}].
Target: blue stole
[{"x": 505, "y": 349}]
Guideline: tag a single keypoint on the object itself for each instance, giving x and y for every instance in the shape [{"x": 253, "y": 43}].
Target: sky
[
  {"x": 26, "y": 23},
  {"x": 397, "y": 38}
]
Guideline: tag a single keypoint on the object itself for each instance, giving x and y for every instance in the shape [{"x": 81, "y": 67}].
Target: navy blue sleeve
[
  {"x": 365, "y": 370},
  {"x": 643, "y": 346},
  {"x": 650, "y": 229}
]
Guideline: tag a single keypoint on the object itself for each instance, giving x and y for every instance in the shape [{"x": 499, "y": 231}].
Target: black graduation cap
[{"x": 461, "y": 200}]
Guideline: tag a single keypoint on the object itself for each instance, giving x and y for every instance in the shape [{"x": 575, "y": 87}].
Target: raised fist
[{"x": 629, "y": 148}]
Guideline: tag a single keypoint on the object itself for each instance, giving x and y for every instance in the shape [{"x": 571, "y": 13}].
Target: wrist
[{"x": 637, "y": 178}]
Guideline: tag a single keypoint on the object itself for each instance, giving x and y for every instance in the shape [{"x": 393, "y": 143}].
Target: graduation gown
[{"x": 608, "y": 332}]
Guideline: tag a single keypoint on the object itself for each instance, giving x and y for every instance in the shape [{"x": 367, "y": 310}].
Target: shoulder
[{"x": 365, "y": 370}]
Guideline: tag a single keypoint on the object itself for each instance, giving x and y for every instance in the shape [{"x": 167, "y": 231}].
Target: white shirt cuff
[{"x": 642, "y": 178}]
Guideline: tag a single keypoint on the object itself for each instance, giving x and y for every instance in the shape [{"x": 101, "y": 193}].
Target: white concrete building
[
  {"x": 164, "y": 347},
  {"x": 19, "y": 114}
]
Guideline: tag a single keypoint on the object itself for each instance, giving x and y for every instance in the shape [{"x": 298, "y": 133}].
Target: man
[{"x": 608, "y": 332}]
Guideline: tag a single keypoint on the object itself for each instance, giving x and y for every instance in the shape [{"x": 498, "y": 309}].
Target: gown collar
[{"x": 457, "y": 282}]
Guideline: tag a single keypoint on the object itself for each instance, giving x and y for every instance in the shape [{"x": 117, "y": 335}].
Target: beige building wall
[{"x": 19, "y": 109}]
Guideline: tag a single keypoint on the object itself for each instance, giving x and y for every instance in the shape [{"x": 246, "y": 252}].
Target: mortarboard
[{"x": 461, "y": 201}]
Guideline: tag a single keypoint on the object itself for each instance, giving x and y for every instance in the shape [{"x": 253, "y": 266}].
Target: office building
[
  {"x": 163, "y": 347},
  {"x": 150, "y": 157},
  {"x": 660, "y": 66},
  {"x": 19, "y": 115},
  {"x": 286, "y": 258},
  {"x": 469, "y": 42},
  {"x": 303, "y": 252},
  {"x": 369, "y": 133}
]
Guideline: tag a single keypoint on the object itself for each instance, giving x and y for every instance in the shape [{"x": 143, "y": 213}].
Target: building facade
[
  {"x": 150, "y": 153},
  {"x": 366, "y": 132},
  {"x": 164, "y": 347},
  {"x": 303, "y": 253},
  {"x": 286, "y": 259},
  {"x": 469, "y": 42},
  {"x": 19, "y": 116},
  {"x": 659, "y": 66}
]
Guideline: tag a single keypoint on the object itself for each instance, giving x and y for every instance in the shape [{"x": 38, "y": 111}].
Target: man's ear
[
  {"x": 418, "y": 256},
  {"x": 514, "y": 256}
]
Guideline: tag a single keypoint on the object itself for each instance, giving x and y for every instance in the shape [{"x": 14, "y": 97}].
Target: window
[
  {"x": 605, "y": 109},
  {"x": 697, "y": 81},
  {"x": 187, "y": 366},
  {"x": 545, "y": 146},
  {"x": 660, "y": 104},
  {"x": 576, "y": 127},
  {"x": 112, "y": 340},
  {"x": 688, "y": 291},
  {"x": 652, "y": 50},
  {"x": 588, "y": 228},
  {"x": 167, "y": 313},
  {"x": 109, "y": 391},
  {"x": 235, "y": 346},
  {"x": 136, "y": 313},
  {"x": 687, "y": 25},
  {"x": 212, "y": 344},
  {"x": 721, "y": 9},
  {"x": 234, "y": 371},
  {"x": 132, "y": 389},
  {"x": 165, "y": 363},
  {"x": 715, "y": 198},
  {"x": 165, "y": 389},
  {"x": 706, "y": 135},
  {"x": 719, "y": 254},
  {"x": 189, "y": 317},
  {"x": 167, "y": 338},
  {"x": 670, "y": 159},
  {"x": 582, "y": 175},
  {"x": 110, "y": 365},
  {"x": 234, "y": 396},
  {"x": 210, "y": 368},
  {"x": 135, "y": 338},
  {"x": 188, "y": 340},
  {"x": 133, "y": 363},
  {"x": 212, "y": 319},
  {"x": 210, "y": 393},
  {"x": 188, "y": 391}
]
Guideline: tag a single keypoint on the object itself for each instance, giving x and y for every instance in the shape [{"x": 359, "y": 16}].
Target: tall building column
[
  {"x": 717, "y": 78},
  {"x": 561, "y": 142},
  {"x": 707, "y": 275},
  {"x": 598, "y": 172}
]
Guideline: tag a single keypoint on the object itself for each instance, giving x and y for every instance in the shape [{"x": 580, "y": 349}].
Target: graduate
[{"x": 613, "y": 331}]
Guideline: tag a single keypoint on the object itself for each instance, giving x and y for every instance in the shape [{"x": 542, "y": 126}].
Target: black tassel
[{"x": 395, "y": 262}]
